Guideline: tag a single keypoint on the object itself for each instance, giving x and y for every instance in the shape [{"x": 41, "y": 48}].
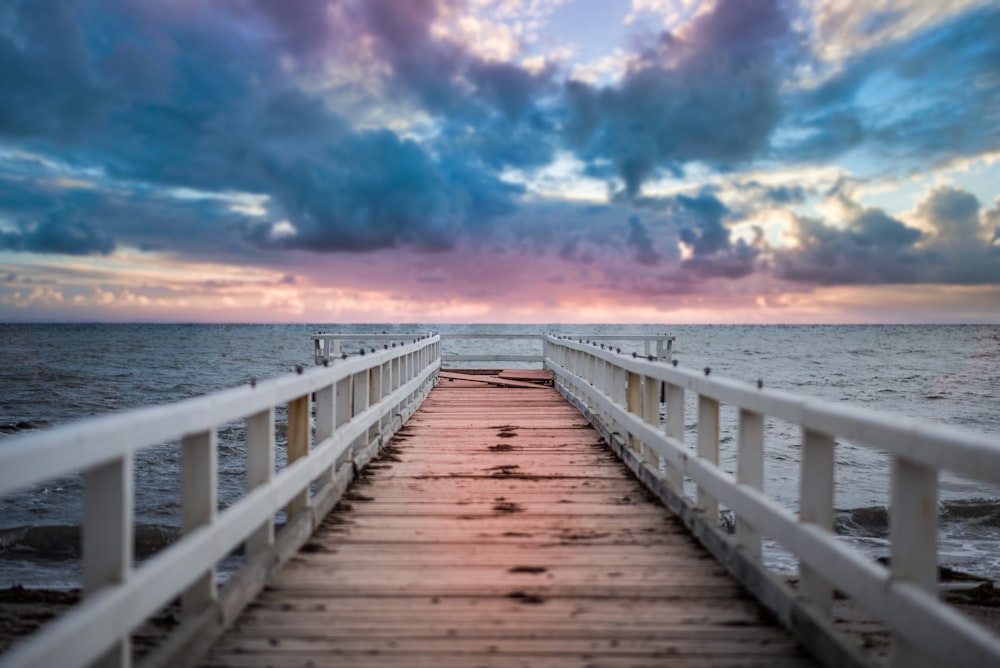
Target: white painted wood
[
  {"x": 492, "y": 358},
  {"x": 934, "y": 628},
  {"x": 93, "y": 628},
  {"x": 107, "y": 540},
  {"x": 816, "y": 507},
  {"x": 359, "y": 403},
  {"x": 298, "y": 446},
  {"x": 199, "y": 471},
  {"x": 708, "y": 449},
  {"x": 938, "y": 446},
  {"x": 674, "y": 403},
  {"x": 325, "y": 410},
  {"x": 633, "y": 404},
  {"x": 650, "y": 415},
  {"x": 750, "y": 471},
  {"x": 43, "y": 455},
  {"x": 913, "y": 532},
  {"x": 260, "y": 472}
]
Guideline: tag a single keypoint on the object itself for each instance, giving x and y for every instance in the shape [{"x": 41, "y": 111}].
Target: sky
[{"x": 535, "y": 161}]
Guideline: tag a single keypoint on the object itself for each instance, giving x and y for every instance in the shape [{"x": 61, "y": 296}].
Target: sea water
[{"x": 53, "y": 374}]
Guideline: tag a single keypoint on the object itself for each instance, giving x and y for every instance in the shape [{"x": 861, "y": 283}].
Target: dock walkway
[{"x": 497, "y": 529}]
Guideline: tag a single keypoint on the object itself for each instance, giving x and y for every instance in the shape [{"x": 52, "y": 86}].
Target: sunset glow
[{"x": 532, "y": 161}]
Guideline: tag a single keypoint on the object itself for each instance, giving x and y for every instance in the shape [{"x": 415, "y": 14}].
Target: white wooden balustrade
[
  {"x": 607, "y": 386},
  {"x": 360, "y": 402}
]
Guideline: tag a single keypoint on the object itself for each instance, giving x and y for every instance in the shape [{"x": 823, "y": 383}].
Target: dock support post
[
  {"x": 913, "y": 527},
  {"x": 299, "y": 432},
  {"x": 199, "y": 471},
  {"x": 750, "y": 472},
  {"x": 260, "y": 471},
  {"x": 107, "y": 539},
  {"x": 708, "y": 449},
  {"x": 816, "y": 506}
]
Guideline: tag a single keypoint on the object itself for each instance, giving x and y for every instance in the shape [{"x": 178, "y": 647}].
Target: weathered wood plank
[
  {"x": 492, "y": 380},
  {"x": 496, "y": 529}
]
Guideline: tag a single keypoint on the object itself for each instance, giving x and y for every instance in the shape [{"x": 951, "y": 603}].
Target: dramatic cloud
[
  {"x": 709, "y": 94},
  {"x": 57, "y": 235},
  {"x": 641, "y": 243},
  {"x": 875, "y": 248},
  {"x": 449, "y": 143},
  {"x": 934, "y": 94}
]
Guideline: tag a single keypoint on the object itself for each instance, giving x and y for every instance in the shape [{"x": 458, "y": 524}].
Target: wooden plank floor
[{"x": 497, "y": 530}]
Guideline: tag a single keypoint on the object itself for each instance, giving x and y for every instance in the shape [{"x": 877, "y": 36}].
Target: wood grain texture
[{"x": 497, "y": 529}]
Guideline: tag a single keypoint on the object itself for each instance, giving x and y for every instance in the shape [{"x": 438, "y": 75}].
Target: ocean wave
[
  {"x": 60, "y": 542},
  {"x": 873, "y": 521}
]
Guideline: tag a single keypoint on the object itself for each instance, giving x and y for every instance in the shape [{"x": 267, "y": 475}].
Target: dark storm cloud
[
  {"x": 55, "y": 234},
  {"x": 962, "y": 249},
  {"x": 218, "y": 113},
  {"x": 373, "y": 190},
  {"x": 710, "y": 95},
  {"x": 700, "y": 221},
  {"x": 875, "y": 248},
  {"x": 46, "y": 85},
  {"x": 641, "y": 243},
  {"x": 492, "y": 110},
  {"x": 142, "y": 99}
]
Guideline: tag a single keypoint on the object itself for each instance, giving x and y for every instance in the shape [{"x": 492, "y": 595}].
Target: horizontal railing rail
[
  {"x": 359, "y": 403},
  {"x": 623, "y": 393},
  {"x": 327, "y": 345}
]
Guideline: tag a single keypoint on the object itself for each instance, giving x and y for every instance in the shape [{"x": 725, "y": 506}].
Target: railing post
[
  {"x": 260, "y": 471},
  {"x": 633, "y": 404},
  {"x": 325, "y": 417},
  {"x": 385, "y": 388},
  {"x": 913, "y": 528},
  {"x": 107, "y": 540},
  {"x": 299, "y": 433},
  {"x": 708, "y": 449},
  {"x": 342, "y": 413},
  {"x": 816, "y": 506},
  {"x": 651, "y": 414},
  {"x": 750, "y": 472},
  {"x": 374, "y": 396},
  {"x": 674, "y": 396},
  {"x": 199, "y": 473},
  {"x": 617, "y": 377},
  {"x": 359, "y": 403}
]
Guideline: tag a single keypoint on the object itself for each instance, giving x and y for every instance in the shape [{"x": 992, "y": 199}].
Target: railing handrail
[
  {"x": 359, "y": 403},
  {"x": 945, "y": 447},
  {"x": 326, "y": 345},
  {"x": 624, "y": 393},
  {"x": 32, "y": 458}
]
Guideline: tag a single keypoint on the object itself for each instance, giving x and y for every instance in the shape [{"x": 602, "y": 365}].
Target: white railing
[
  {"x": 623, "y": 394},
  {"x": 327, "y": 345},
  {"x": 359, "y": 403}
]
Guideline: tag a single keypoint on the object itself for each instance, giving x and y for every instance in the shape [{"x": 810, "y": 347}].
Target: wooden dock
[{"x": 497, "y": 529}]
